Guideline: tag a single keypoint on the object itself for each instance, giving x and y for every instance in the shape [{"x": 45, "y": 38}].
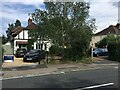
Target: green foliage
[
  {"x": 17, "y": 23},
  {"x": 114, "y": 51},
  {"x": 113, "y": 44},
  {"x": 10, "y": 28},
  {"x": 29, "y": 47},
  {"x": 65, "y": 24},
  {"x": 101, "y": 43},
  {"x": 9, "y": 31},
  {"x": 4, "y": 40},
  {"x": 1, "y": 52},
  {"x": 114, "y": 48},
  {"x": 55, "y": 50},
  {"x": 106, "y": 40}
]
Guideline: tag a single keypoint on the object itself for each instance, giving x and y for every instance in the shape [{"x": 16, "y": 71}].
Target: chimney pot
[{"x": 29, "y": 21}]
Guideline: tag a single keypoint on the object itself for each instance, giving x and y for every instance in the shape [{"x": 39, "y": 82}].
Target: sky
[{"x": 104, "y": 11}]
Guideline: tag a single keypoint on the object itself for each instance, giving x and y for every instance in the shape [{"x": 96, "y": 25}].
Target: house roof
[
  {"x": 31, "y": 26},
  {"x": 17, "y": 30},
  {"x": 111, "y": 29}
]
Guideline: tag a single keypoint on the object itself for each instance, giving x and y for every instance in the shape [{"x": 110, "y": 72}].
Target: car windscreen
[
  {"x": 33, "y": 51},
  {"x": 98, "y": 49},
  {"x": 21, "y": 50}
]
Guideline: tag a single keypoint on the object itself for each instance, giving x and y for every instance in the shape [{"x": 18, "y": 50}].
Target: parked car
[
  {"x": 100, "y": 52},
  {"x": 34, "y": 56},
  {"x": 20, "y": 52}
]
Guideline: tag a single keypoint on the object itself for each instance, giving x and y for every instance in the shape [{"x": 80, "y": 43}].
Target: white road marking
[
  {"x": 62, "y": 72},
  {"x": 86, "y": 69},
  {"x": 22, "y": 76},
  {"x": 116, "y": 67},
  {"x": 96, "y": 86},
  {"x": 31, "y": 75}
]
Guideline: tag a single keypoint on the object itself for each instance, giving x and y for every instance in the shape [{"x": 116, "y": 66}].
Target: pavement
[
  {"x": 98, "y": 79},
  {"x": 18, "y": 68}
]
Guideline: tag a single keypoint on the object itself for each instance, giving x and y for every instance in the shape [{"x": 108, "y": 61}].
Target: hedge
[{"x": 114, "y": 51}]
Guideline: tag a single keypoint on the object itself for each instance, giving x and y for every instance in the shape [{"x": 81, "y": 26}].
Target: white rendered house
[{"x": 20, "y": 38}]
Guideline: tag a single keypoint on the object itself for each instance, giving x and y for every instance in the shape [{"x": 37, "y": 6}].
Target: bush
[
  {"x": 114, "y": 51},
  {"x": 113, "y": 44},
  {"x": 71, "y": 53},
  {"x": 56, "y": 50}
]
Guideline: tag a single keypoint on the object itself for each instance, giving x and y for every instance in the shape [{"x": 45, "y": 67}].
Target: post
[
  {"x": 47, "y": 56},
  {"x": 92, "y": 53},
  {"x": 39, "y": 62}
]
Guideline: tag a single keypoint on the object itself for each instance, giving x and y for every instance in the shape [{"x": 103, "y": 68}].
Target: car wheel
[
  {"x": 97, "y": 55},
  {"x": 24, "y": 60}
]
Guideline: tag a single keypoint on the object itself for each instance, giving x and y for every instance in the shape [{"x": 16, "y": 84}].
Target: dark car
[
  {"x": 34, "y": 56},
  {"x": 20, "y": 52},
  {"x": 100, "y": 52}
]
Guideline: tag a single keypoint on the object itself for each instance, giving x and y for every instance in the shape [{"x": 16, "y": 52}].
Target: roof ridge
[
  {"x": 16, "y": 28},
  {"x": 101, "y": 31},
  {"x": 116, "y": 30},
  {"x": 110, "y": 29}
]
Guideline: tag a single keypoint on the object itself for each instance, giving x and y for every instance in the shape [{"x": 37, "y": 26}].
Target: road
[{"x": 99, "y": 79}]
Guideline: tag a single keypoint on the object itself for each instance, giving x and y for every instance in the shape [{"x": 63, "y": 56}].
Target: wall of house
[
  {"x": 25, "y": 34},
  {"x": 22, "y": 35},
  {"x": 45, "y": 45},
  {"x": 96, "y": 39}
]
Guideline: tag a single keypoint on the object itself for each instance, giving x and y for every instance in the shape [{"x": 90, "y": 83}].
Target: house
[
  {"x": 112, "y": 29},
  {"x": 20, "y": 37}
]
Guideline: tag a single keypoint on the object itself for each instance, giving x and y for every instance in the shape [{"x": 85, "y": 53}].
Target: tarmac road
[{"x": 99, "y": 79}]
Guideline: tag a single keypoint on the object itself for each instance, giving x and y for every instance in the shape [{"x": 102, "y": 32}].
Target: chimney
[
  {"x": 118, "y": 25},
  {"x": 29, "y": 21}
]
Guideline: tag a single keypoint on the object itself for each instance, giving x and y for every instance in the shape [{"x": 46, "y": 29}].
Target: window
[{"x": 41, "y": 46}]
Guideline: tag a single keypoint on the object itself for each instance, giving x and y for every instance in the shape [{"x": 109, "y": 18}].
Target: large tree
[
  {"x": 1, "y": 53},
  {"x": 4, "y": 39},
  {"x": 65, "y": 23},
  {"x": 17, "y": 23},
  {"x": 9, "y": 31},
  {"x": 11, "y": 27}
]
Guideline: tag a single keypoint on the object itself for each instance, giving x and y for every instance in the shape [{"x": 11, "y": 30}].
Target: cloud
[
  {"x": 105, "y": 13},
  {"x": 97, "y": 1},
  {"x": 26, "y": 2},
  {"x": 12, "y": 10}
]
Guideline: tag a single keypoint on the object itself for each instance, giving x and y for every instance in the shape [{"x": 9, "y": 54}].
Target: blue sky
[{"x": 104, "y": 11}]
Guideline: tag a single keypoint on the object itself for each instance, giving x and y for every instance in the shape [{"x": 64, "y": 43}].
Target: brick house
[{"x": 112, "y": 29}]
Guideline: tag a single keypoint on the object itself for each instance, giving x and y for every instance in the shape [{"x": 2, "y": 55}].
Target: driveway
[
  {"x": 21, "y": 69},
  {"x": 103, "y": 60},
  {"x": 17, "y": 63}
]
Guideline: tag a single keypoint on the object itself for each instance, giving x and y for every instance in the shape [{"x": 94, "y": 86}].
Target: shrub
[
  {"x": 114, "y": 51},
  {"x": 113, "y": 44},
  {"x": 56, "y": 50}
]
